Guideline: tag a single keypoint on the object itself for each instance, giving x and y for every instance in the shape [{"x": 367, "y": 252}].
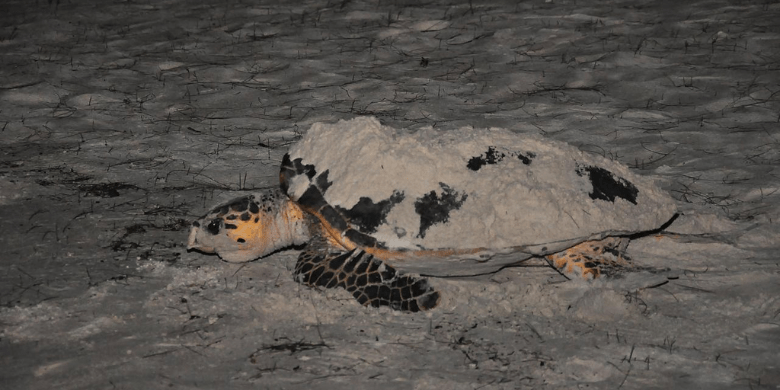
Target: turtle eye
[{"x": 213, "y": 226}]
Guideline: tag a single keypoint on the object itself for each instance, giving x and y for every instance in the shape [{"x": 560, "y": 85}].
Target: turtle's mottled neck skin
[{"x": 250, "y": 227}]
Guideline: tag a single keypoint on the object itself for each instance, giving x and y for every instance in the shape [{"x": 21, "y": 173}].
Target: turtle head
[{"x": 249, "y": 227}]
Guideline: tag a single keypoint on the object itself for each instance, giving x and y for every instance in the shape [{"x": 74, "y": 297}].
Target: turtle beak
[{"x": 192, "y": 241}]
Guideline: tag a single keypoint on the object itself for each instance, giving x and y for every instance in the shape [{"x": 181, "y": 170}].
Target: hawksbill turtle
[{"x": 381, "y": 209}]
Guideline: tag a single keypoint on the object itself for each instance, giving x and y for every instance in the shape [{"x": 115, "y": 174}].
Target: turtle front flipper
[
  {"x": 592, "y": 259},
  {"x": 371, "y": 281}
]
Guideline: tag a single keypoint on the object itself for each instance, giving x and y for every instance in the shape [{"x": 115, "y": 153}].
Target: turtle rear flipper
[
  {"x": 371, "y": 281},
  {"x": 592, "y": 259}
]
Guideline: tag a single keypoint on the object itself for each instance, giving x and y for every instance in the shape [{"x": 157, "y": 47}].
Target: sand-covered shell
[{"x": 472, "y": 188}]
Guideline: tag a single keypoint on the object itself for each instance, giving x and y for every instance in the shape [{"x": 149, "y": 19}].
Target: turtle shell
[{"x": 484, "y": 192}]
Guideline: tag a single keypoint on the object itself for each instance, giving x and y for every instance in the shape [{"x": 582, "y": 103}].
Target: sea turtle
[{"x": 367, "y": 199}]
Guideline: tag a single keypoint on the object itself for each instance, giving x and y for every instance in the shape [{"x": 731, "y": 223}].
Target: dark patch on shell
[
  {"x": 434, "y": 209},
  {"x": 292, "y": 168},
  {"x": 399, "y": 231},
  {"x": 526, "y": 158},
  {"x": 608, "y": 186},
  {"x": 334, "y": 218},
  {"x": 367, "y": 215},
  {"x": 322, "y": 181},
  {"x": 312, "y": 199},
  {"x": 493, "y": 156},
  {"x": 361, "y": 239}
]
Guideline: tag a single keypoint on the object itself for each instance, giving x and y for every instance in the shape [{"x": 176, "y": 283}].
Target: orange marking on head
[{"x": 254, "y": 234}]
